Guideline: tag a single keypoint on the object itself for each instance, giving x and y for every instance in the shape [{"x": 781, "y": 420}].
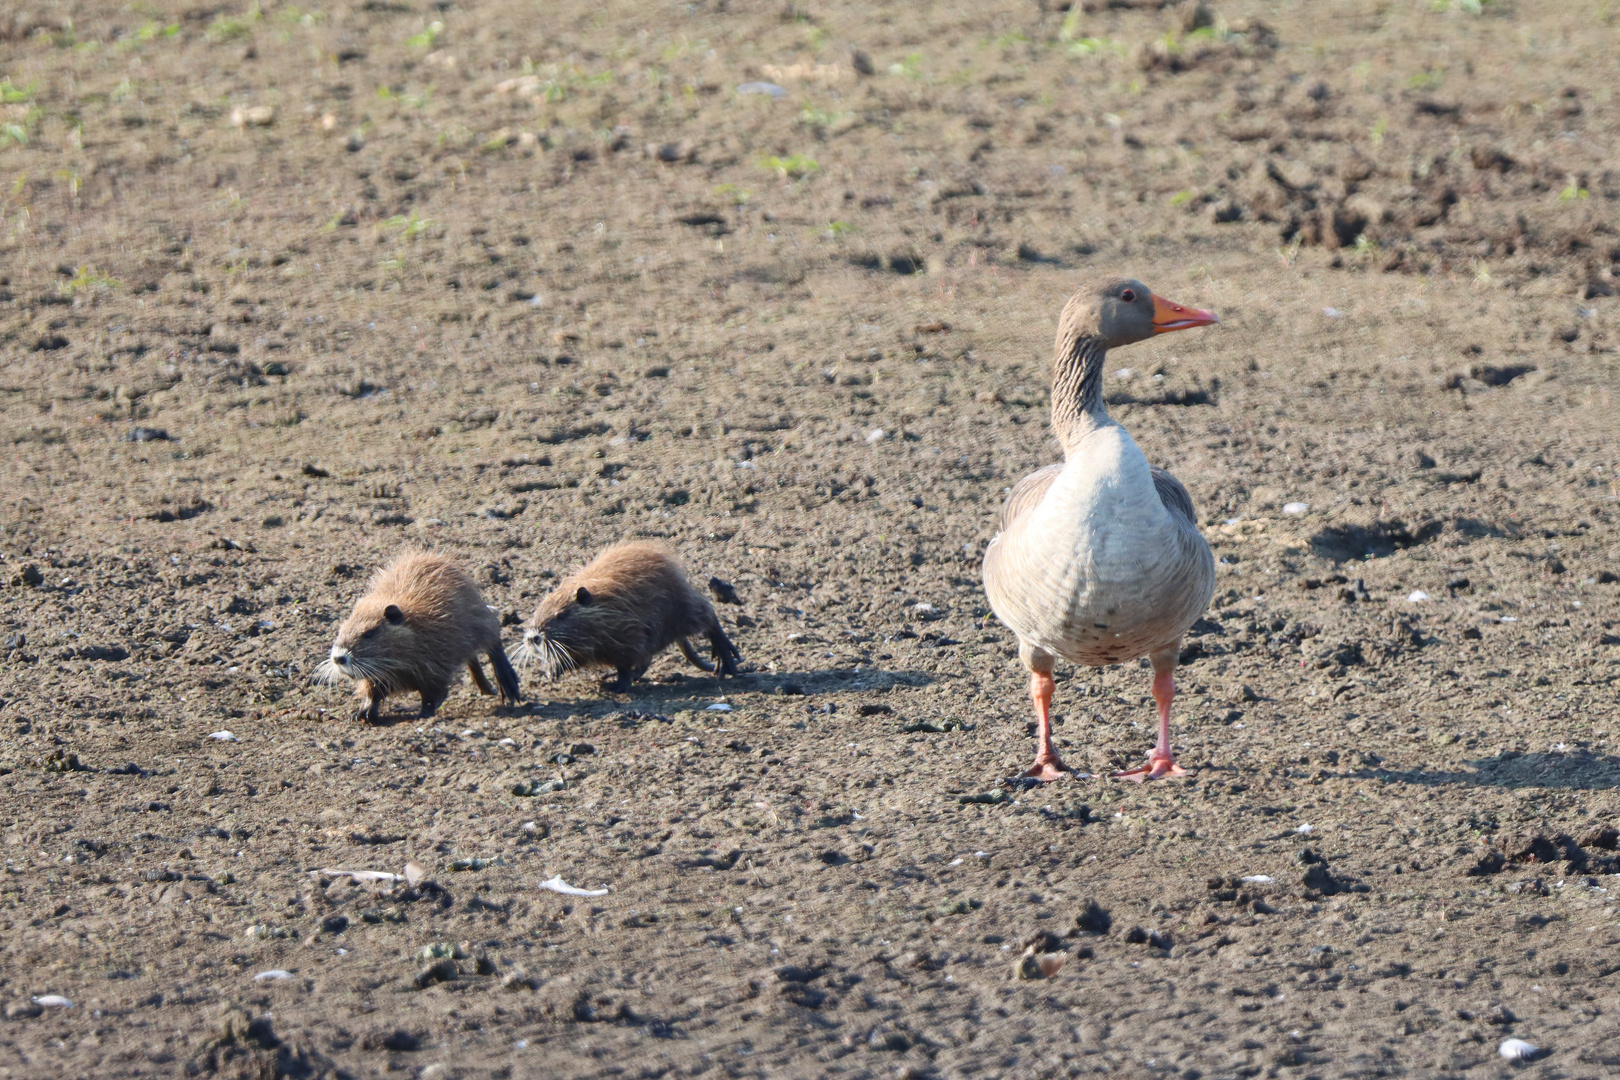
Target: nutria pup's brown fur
[
  {"x": 421, "y": 619},
  {"x": 628, "y": 605}
]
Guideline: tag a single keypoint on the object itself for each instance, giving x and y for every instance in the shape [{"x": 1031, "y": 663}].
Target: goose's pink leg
[
  {"x": 1161, "y": 762},
  {"x": 1048, "y": 766}
]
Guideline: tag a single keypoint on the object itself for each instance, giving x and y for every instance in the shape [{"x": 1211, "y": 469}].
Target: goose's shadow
[
  {"x": 681, "y": 692},
  {"x": 1574, "y": 770}
]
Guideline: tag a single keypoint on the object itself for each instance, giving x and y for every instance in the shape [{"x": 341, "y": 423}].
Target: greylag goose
[{"x": 1098, "y": 558}]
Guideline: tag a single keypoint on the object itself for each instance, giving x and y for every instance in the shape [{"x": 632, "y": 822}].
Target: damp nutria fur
[
  {"x": 629, "y": 604},
  {"x": 421, "y": 619}
]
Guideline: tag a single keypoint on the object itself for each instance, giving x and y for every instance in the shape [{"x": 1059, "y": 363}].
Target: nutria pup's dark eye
[
  {"x": 1129, "y": 296},
  {"x": 371, "y": 633}
]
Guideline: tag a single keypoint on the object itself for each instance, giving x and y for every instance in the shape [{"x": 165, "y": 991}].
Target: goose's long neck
[{"x": 1077, "y": 401}]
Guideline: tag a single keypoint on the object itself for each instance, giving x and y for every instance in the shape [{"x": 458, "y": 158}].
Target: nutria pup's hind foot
[{"x": 725, "y": 653}]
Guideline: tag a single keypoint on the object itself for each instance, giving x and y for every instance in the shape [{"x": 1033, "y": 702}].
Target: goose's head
[{"x": 1120, "y": 311}]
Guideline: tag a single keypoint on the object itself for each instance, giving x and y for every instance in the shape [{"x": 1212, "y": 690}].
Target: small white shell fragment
[
  {"x": 1296, "y": 507},
  {"x": 1510, "y": 1050},
  {"x": 507, "y": 742},
  {"x": 414, "y": 873},
  {"x": 1305, "y": 829},
  {"x": 876, "y": 435},
  {"x": 358, "y": 875},
  {"x": 923, "y": 607},
  {"x": 1417, "y": 596},
  {"x": 53, "y": 1001},
  {"x": 557, "y": 885},
  {"x": 1258, "y": 879},
  {"x": 1333, "y": 313},
  {"x": 224, "y": 736},
  {"x": 273, "y": 975},
  {"x": 1124, "y": 373},
  {"x": 718, "y": 706}
]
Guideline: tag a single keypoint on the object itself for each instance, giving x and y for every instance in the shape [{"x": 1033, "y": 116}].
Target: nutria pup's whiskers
[
  {"x": 552, "y": 655},
  {"x": 629, "y": 604}
]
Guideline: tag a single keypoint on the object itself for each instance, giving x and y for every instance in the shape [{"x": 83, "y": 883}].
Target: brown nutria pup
[
  {"x": 628, "y": 605},
  {"x": 421, "y": 619}
]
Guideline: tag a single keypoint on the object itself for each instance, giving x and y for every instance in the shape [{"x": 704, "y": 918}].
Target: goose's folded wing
[
  {"x": 1028, "y": 493},
  {"x": 1171, "y": 494}
]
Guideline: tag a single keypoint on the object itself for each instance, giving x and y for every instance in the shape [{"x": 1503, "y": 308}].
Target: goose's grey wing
[
  {"x": 1028, "y": 492},
  {"x": 1171, "y": 494}
]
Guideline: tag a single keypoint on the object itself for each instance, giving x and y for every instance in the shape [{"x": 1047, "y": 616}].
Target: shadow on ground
[{"x": 1576, "y": 771}]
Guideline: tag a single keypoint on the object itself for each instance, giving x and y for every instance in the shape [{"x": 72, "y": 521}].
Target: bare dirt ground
[{"x": 284, "y": 289}]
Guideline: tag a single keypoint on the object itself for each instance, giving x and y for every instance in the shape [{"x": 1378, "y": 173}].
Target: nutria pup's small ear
[
  {"x": 584, "y": 596},
  {"x": 393, "y": 614}
]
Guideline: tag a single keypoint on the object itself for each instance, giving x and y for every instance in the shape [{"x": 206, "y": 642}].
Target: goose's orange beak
[{"x": 1169, "y": 316}]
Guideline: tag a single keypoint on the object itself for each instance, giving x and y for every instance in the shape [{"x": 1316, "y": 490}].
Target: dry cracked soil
[{"x": 285, "y": 289}]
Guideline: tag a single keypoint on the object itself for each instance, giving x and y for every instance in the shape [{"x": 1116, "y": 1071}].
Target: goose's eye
[{"x": 1129, "y": 296}]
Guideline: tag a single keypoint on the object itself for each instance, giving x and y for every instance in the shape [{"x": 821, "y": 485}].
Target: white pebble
[
  {"x": 273, "y": 975},
  {"x": 1333, "y": 313},
  {"x": 762, "y": 88},
  {"x": 718, "y": 706},
  {"x": 876, "y": 435},
  {"x": 924, "y": 608},
  {"x": 1258, "y": 879},
  {"x": 1296, "y": 507},
  {"x": 224, "y": 736},
  {"x": 1305, "y": 829},
  {"x": 53, "y": 1001},
  {"x": 1124, "y": 373},
  {"x": 1510, "y": 1050},
  {"x": 1417, "y": 597}
]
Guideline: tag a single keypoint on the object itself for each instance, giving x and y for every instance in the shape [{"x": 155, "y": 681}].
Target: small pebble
[
  {"x": 53, "y": 1001},
  {"x": 273, "y": 975},
  {"x": 1417, "y": 597},
  {"x": 224, "y": 736},
  {"x": 762, "y": 88},
  {"x": 1295, "y": 507}
]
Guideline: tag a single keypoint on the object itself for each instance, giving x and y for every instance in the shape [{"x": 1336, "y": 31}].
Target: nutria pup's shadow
[
  {"x": 421, "y": 620},
  {"x": 626, "y": 606}
]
